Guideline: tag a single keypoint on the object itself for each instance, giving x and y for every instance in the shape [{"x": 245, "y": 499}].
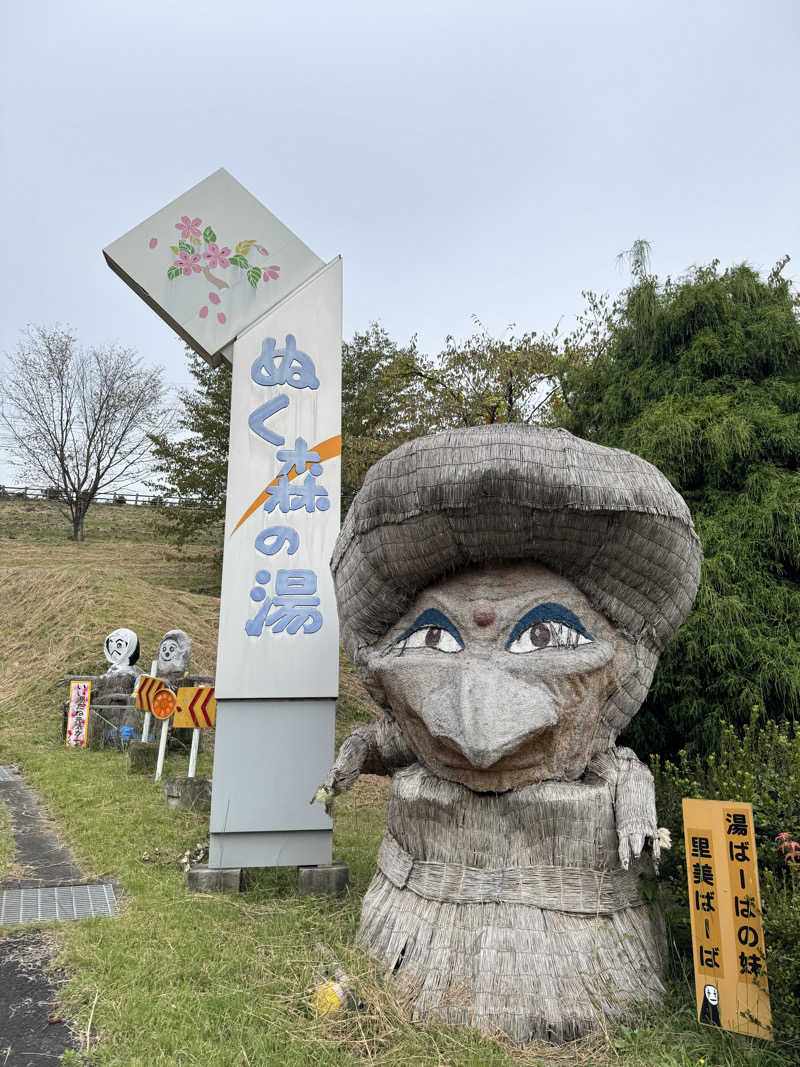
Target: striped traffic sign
[
  {"x": 146, "y": 689},
  {"x": 163, "y": 703},
  {"x": 197, "y": 706}
]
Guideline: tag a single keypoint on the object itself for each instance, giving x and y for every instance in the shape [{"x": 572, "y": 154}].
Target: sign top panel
[{"x": 211, "y": 262}]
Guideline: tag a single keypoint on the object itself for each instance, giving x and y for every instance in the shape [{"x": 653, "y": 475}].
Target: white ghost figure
[
  {"x": 174, "y": 653},
  {"x": 121, "y": 649}
]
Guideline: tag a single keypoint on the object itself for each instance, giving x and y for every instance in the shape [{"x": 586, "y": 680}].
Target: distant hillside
[
  {"x": 60, "y": 599},
  {"x": 45, "y": 520}
]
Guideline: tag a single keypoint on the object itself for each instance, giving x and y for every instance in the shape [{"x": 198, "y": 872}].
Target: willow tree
[{"x": 701, "y": 376}]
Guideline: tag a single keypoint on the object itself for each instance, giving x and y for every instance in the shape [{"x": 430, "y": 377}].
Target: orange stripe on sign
[{"x": 326, "y": 449}]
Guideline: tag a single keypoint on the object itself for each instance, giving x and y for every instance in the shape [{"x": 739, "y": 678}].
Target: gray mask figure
[{"x": 174, "y": 654}]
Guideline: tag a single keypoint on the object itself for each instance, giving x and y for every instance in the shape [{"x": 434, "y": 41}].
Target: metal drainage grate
[
  {"x": 56, "y": 902},
  {"x": 7, "y": 775}
]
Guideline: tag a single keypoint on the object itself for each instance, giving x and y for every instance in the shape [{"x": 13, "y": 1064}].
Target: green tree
[
  {"x": 383, "y": 402},
  {"x": 486, "y": 379},
  {"x": 390, "y": 394},
  {"x": 382, "y": 406},
  {"x": 194, "y": 465},
  {"x": 701, "y": 376}
]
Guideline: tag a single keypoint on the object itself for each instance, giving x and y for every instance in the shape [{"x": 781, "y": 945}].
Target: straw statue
[{"x": 505, "y": 593}]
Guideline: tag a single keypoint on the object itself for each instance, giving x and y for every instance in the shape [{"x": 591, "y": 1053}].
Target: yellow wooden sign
[
  {"x": 197, "y": 706},
  {"x": 730, "y": 966},
  {"x": 145, "y": 691}
]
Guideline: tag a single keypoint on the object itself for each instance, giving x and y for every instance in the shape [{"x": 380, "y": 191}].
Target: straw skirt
[{"x": 510, "y": 912}]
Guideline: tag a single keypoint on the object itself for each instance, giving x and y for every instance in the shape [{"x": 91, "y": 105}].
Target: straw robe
[
  {"x": 511, "y": 911},
  {"x": 519, "y": 911}
]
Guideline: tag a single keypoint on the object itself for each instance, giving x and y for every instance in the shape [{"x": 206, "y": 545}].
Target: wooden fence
[{"x": 33, "y": 492}]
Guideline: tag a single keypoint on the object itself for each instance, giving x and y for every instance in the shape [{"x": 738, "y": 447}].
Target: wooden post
[
  {"x": 147, "y": 714},
  {"x": 162, "y": 748},
  {"x": 193, "y": 753}
]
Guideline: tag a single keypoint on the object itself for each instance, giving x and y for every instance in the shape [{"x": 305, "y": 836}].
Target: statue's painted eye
[
  {"x": 433, "y": 630},
  {"x": 547, "y": 626},
  {"x": 433, "y": 637},
  {"x": 547, "y": 635}
]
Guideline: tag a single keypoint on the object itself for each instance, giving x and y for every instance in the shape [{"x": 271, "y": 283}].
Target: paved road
[{"x": 31, "y": 1033}]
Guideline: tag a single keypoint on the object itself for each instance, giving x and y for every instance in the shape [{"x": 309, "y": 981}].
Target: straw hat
[{"x": 605, "y": 519}]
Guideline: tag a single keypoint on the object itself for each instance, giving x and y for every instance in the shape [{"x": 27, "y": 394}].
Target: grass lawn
[
  {"x": 217, "y": 980},
  {"x": 7, "y": 866}
]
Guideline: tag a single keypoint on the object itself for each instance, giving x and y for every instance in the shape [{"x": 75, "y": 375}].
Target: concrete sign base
[{"x": 261, "y": 815}]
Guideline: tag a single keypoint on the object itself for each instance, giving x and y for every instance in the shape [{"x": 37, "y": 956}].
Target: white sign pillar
[
  {"x": 235, "y": 283},
  {"x": 278, "y": 655}
]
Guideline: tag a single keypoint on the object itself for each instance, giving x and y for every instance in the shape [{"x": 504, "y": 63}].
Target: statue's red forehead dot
[{"x": 483, "y": 614}]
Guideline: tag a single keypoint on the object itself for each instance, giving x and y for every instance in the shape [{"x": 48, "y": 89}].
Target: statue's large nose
[{"x": 486, "y": 712}]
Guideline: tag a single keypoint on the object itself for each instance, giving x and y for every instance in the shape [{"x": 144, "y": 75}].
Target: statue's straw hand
[{"x": 324, "y": 796}]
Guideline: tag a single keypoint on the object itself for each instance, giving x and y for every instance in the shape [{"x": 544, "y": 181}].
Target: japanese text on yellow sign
[{"x": 725, "y": 907}]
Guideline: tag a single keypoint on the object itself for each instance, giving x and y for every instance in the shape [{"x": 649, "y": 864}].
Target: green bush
[
  {"x": 760, "y": 767},
  {"x": 701, "y": 376}
]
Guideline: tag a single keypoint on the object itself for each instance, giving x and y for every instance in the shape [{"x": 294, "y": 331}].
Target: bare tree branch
[{"x": 82, "y": 419}]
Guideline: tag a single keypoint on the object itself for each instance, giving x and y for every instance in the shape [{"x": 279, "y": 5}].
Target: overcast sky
[{"x": 464, "y": 158}]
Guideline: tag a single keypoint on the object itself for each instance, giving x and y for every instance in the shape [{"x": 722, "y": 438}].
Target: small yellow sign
[
  {"x": 730, "y": 964},
  {"x": 197, "y": 706},
  {"x": 145, "y": 691}
]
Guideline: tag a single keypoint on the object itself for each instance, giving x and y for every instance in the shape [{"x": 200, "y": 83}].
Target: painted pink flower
[
  {"x": 218, "y": 257},
  {"x": 213, "y": 298},
  {"x": 221, "y": 318},
  {"x": 271, "y": 272},
  {"x": 188, "y": 227},
  {"x": 262, "y": 250},
  {"x": 203, "y": 312},
  {"x": 153, "y": 242},
  {"x": 188, "y": 263}
]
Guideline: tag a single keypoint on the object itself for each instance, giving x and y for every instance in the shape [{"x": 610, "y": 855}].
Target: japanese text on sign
[
  {"x": 724, "y": 904},
  {"x": 289, "y": 603},
  {"x": 80, "y": 696}
]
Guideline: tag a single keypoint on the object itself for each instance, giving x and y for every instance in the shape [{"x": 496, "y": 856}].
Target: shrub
[
  {"x": 760, "y": 767},
  {"x": 700, "y": 376}
]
